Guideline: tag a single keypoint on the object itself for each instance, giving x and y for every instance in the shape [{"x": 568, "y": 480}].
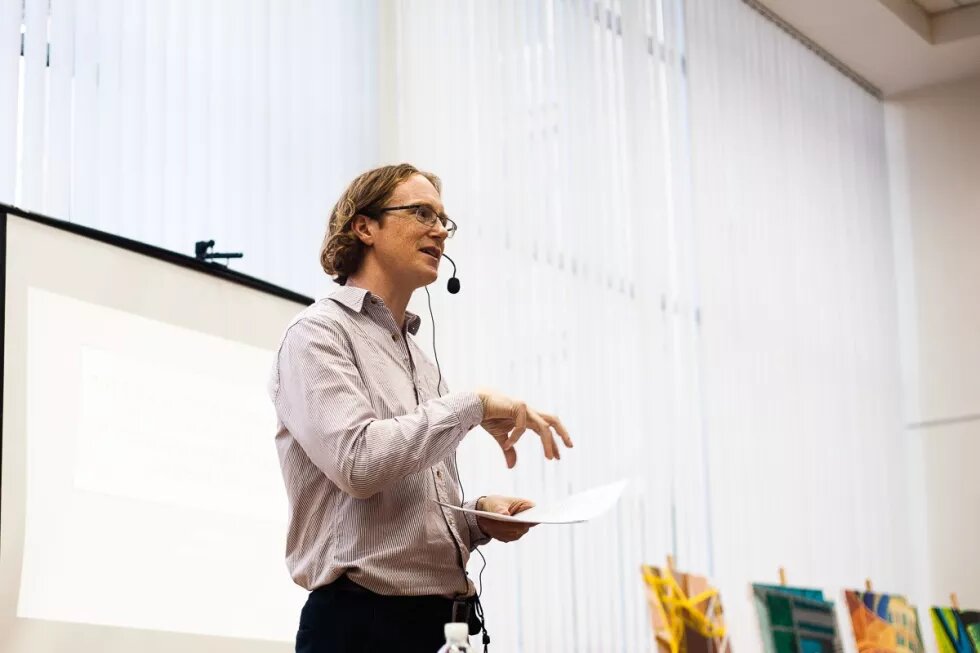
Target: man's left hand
[{"x": 503, "y": 530}]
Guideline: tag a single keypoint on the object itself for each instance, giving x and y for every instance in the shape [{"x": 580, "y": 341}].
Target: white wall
[{"x": 934, "y": 157}]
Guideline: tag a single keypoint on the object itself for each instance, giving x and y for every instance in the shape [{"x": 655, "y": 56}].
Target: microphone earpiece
[{"x": 453, "y": 285}]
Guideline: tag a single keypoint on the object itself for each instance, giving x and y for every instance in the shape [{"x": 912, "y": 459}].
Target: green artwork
[
  {"x": 956, "y": 631},
  {"x": 796, "y": 620}
]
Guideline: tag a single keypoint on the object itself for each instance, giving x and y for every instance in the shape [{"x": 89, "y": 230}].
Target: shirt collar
[{"x": 355, "y": 299}]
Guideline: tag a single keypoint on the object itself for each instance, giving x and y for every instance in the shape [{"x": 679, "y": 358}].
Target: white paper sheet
[{"x": 580, "y": 507}]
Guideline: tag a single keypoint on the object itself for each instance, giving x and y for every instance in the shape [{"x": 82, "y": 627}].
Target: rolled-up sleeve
[{"x": 321, "y": 398}]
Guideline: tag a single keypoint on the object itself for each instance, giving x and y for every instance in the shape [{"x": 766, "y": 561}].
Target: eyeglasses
[{"x": 426, "y": 215}]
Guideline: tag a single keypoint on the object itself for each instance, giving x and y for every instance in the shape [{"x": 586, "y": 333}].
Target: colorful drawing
[
  {"x": 971, "y": 619},
  {"x": 883, "y": 623},
  {"x": 686, "y": 612},
  {"x": 796, "y": 620},
  {"x": 956, "y": 631}
]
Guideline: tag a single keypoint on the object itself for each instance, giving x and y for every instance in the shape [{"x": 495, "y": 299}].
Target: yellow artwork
[{"x": 685, "y": 611}]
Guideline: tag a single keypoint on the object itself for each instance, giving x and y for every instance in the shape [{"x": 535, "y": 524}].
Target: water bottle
[{"x": 457, "y": 639}]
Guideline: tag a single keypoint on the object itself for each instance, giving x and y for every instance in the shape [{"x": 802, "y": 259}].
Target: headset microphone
[{"x": 453, "y": 285}]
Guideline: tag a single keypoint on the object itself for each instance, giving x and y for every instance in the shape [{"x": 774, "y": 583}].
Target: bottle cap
[{"x": 457, "y": 633}]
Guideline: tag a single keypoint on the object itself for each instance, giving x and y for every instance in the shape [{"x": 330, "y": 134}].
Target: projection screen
[{"x": 142, "y": 507}]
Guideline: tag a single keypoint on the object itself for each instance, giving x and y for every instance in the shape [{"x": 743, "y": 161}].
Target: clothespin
[
  {"x": 782, "y": 576},
  {"x": 954, "y": 601},
  {"x": 867, "y": 585}
]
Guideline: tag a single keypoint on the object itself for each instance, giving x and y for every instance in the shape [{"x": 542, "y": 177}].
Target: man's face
[{"x": 399, "y": 244}]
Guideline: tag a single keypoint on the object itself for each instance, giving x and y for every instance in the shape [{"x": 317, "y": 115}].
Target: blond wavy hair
[{"x": 342, "y": 251}]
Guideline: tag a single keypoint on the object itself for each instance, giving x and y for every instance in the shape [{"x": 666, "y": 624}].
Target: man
[{"x": 367, "y": 434}]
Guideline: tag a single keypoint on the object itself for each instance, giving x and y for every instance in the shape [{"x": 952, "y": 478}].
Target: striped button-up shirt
[{"x": 366, "y": 445}]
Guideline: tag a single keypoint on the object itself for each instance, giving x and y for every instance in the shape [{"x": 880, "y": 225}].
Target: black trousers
[{"x": 345, "y": 618}]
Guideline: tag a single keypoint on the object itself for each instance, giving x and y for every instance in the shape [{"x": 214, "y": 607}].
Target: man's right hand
[{"x": 507, "y": 419}]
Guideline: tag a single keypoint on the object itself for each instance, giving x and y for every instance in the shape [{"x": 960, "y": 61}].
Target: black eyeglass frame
[{"x": 447, "y": 223}]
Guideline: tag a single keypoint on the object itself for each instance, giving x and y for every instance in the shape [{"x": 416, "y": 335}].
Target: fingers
[
  {"x": 499, "y": 530},
  {"x": 519, "y": 413},
  {"x": 544, "y": 432},
  {"x": 512, "y": 532},
  {"x": 558, "y": 426},
  {"x": 508, "y": 419},
  {"x": 510, "y": 455},
  {"x": 519, "y": 532},
  {"x": 520, "y": 505}
]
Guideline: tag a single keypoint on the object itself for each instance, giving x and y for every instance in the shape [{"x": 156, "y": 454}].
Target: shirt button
[
  {"x": 439, "y": 473},
  {"x": 394, "y": 336},
  {"x": 374, "y": 301}
]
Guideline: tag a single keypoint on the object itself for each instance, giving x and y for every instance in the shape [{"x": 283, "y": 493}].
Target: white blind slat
[
  {"x": 11, "y": 19},
  {"x": 35, "y": 107},
  {"x": 57, "y": 181}
]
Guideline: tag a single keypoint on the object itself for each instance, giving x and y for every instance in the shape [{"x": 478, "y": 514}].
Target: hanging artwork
[
  {"x": 957, "y": 631},
  {"x": 883, "y": 623},
  {"x": 796, "y": 620},
  {"x": 686, "y": 612}
]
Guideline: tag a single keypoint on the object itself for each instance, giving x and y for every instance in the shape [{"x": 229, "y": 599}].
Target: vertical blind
[
  {"x": 799, "y": 347},
  {"x": 179, "y": 120},
  {"x": 558, "y": 130}
]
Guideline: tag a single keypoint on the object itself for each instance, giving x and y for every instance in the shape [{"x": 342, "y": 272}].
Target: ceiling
[
  {"x": 897, "y": 45},
  {"x": 935, "y": 6}
]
